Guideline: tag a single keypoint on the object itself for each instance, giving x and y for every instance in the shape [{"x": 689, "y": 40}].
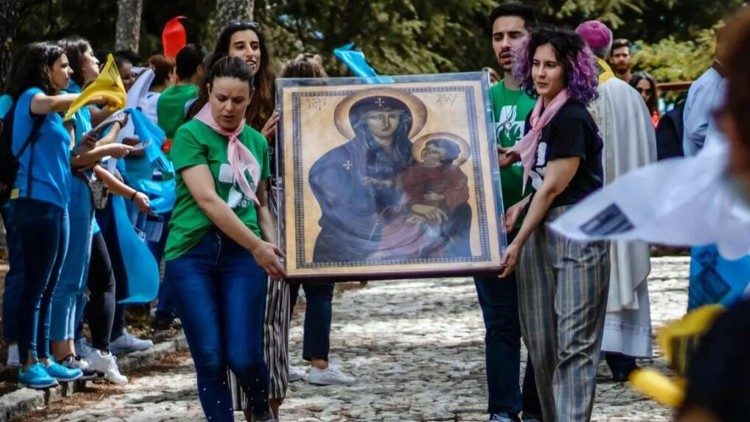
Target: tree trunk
[
  {"x": 128, "y": 24},
  {"x": 9, "y": 19},
  {"x": 227, "y": 10}
]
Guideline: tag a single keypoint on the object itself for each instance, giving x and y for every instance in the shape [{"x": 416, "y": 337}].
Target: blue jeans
[
  {"x": 316, "y": 343},
  {"x": 220, "y": 295},
  {"x": 13, "y": 282},
  {"x": 67, "y": 303},
  {"x": 41, "y": 232}
]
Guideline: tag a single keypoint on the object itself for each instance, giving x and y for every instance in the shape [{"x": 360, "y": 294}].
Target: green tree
[
  {"x": 682, "y": 20},
  {"x": 670, "y": 60},
  {"x": 8, "y": 27},
  {"x": 397, "y": 36},
  {"x": 227, "y": 10}
]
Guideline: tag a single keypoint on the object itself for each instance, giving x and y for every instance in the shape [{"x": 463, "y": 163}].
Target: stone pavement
[{"x": 416, "y": 348}]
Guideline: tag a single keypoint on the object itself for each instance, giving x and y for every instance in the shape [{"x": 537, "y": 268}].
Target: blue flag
[
  {"x": 154, "y": 137},
  {"x": 141, "y": 269},
  {"x": 357, "y": 64},
  {"x": 140, "y": 170},
  {"x": 354, "y": 60}
]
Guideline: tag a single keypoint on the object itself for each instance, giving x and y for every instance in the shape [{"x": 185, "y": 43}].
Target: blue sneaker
[
  {"x": 62, "y": 373},
  {"x": 35, "y": 376}
]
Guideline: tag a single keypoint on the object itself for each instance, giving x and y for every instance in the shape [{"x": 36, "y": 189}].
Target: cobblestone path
[{"x": 415, "y": 347}]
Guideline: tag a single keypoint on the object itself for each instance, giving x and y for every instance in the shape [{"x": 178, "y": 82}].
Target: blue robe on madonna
[{"x": 355, "y": 188}]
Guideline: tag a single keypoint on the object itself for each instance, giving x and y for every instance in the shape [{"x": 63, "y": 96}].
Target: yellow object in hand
[
  {"x": 107, "y": 86},
  {"x": 658, "y": 386}
]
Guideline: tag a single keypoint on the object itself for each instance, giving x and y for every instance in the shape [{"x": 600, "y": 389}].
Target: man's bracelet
[{"x": 133, "y": 195}]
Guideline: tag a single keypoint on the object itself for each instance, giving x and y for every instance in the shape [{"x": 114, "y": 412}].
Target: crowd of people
[
  {"x": 67, "y": 264},
  {"x": 570, "y": 117}
]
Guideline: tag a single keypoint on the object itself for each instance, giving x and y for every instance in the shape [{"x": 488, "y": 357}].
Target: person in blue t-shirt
[
  {"x": 68, "y": 299},
  {"x": 37, "y": 213}
]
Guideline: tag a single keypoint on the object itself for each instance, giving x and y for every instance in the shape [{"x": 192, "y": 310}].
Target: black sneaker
[
  {"x": 162, "y": 324},
  {"x": 72, "y": 362}
]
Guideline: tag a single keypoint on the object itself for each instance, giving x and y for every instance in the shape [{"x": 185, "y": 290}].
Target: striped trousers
[
  {"x": 276, "y": 345},
  {"x": 562, "y": 299}
]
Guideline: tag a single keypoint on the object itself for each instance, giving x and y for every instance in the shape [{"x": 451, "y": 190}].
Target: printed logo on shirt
[
  {"x": 508, "y": 131},
  {"x": 507, "y": 128},
  {"x": 540, "y": 166},
  {"x": 235, "y": 199}
]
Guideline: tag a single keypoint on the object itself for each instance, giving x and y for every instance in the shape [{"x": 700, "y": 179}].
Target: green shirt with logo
[
  {"x": 196, "y": 143},
  {"x": 510, "y": 108}
]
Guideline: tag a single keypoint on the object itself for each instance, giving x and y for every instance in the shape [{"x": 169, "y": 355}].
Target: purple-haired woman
[{"x": 563, "y": 285}]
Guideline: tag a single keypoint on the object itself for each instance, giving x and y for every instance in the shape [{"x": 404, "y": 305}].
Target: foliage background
[{"x": 674, "y": 40}]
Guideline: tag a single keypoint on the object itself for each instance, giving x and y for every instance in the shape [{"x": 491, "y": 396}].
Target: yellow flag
[
  {"x": 678, "y": 340},
  {"x": 654, "y": 384},
  {"x": 108, "y": 84}
]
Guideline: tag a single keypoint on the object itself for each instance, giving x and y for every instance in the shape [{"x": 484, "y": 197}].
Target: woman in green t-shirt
[{"x": 221, "y": 247}]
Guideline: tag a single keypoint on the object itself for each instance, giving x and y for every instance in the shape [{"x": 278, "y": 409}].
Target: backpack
[{"x": 8, "y": 161}]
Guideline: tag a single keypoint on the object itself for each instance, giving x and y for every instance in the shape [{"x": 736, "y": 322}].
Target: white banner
[{"x": 682, "y": 201}]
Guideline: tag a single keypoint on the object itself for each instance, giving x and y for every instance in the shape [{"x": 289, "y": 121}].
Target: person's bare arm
[
  {"x": 99, "y": 114},
  {"x": 118, "y": 187},
  {"x": 200, "y": 183},
  {"x": 87, "y": 155},
  {"x": 265, "y": 219},
  {"x": 111, "y": 136},
  {"x": 42, "y": 103},
  {"x": 558, "y": 175}
]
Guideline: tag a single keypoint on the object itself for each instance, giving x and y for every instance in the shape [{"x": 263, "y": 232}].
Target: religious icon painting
[{"x": 388, "y": 178}]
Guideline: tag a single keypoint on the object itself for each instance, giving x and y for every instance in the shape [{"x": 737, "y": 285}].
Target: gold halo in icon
[
  {"x": 415, "y": 105},
  {"x": 418, "y": 145}
]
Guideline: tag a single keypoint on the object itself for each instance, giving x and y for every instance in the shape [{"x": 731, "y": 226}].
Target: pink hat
[{"x": 595, "y": 34}]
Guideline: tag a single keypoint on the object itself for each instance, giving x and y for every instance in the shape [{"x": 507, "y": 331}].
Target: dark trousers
[
  {"x": 164, "y": 306},
  {"x": 100, "y": 310},
  {"x": 106, "y": 219},
  {"x": 13, "y": 282},
  {"x": 41, "y": 233},
  {"x": 220, "y": 296},
  {"x": 620, "y": 363},
  {"x": 498, "y": 299},
  {"x": 316, "y": 343}
]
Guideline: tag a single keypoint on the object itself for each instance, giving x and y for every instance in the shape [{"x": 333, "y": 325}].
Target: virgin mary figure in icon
[{"x": 355, "y": 184}]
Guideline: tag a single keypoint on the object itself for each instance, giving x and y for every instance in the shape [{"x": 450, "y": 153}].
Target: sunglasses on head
[{"x": 243, "y": 23}]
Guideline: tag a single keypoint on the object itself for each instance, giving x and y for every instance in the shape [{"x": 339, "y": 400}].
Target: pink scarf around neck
[
  {"x": 527, "y": 146},
  {"x": 241, "y": 160}
]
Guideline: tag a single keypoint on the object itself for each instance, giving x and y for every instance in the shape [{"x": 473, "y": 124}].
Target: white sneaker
[
  {"x": 13, "y": 360},
  {"x": 128, "y": 343},
  {"x": 106, "y": 364},
  {"x": 296, "y": 373},
  {"x": 329, "y": 376},
  {"x": 83, "y": 348}
]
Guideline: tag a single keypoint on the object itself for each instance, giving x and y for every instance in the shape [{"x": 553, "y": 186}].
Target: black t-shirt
[{"x": 571, "y": 133}]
